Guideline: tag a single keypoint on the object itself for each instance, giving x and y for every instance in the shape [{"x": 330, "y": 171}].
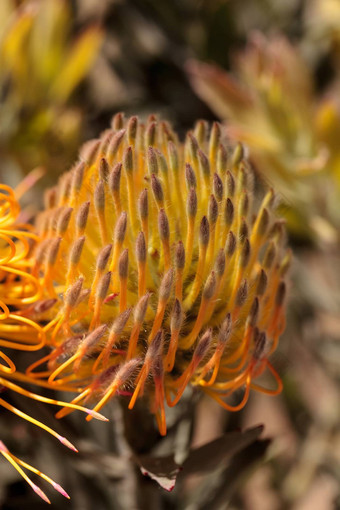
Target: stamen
[
  {"x": 123, "y": 374},
  {"x": 190, "y": 177},
  {"x": 174, "y": 166},
  {"x": 141, "y": 262},
  {"x": 119, "y": 237},
  {"x": 116, "y": 330},
  {"x": 143, "y": 209},
  {"x": 123, "y": 272},
  {"x": 164, "y": 234},
  {"x": 118, "y": 121},
  {"x": 222, "y": 160},
  {"x": 207, "y": 295},
  {"x": 81, "y": 219},
  {"x": 215, "y": 136},
  {"x": 230, "y": 185},
  {"x": 218, "y": 187},
  {"x": 89, "y": 151},
  {"x": 214, "y": 362},
  {"x": 212, "y": 218},
  {"x": 176, "y": 321},
  {"x": 203, "y": 244},
  {"x": 200, "y": 352},
  {"x": 139, "y": 315},
  {"x": 114, "y": 186},
  {"x": 26, "y": 417},
  {"x": 204, "y": 167},
  {"x": 132, "y": 130},
  {"x": 63, "y": 221},
  {"x": 164, "y": 295},
  {"x": 155, "y": 347},
  {"x": 201, "y": 132},
  {"x": 99, "y": 205},
  {"x": 77, "y": 181},
  {"x": 191, "y": 215},
  {"x": 157, "y": 191},
  {"x": 152, "y": 162},
  {"x": 129, "y": 171},
  {"x": 150, "y": 134},
  {"x": 74, "y": 259},
  {"x": 101, "y": 292},
  {"x": 51, "y": 258},
  {"x": 104, "y": 168},
  {"x": 179, "y": 266}
]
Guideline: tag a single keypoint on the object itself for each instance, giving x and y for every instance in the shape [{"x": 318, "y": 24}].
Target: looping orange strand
[
  {"x": 8, "y": 190},
  {"x": 226, "y": 406},
  {"x": 23, "y": 238},
  {"x": 8, "y": 215},
  {"x": 17, "y": 255},
  {"x": 26, "y": 276},
  {"x": 18, "y": 376},
  {"x": 5, "y": 311},
  {"x": 8, "y": 196},
  {"x": 238, "y": 367},
  {"x": 29, "y": 370},
  {"x": 277, "y": 378},
  {"x": 12, "y": 252},
  {"x": 10, "y": 369},
  {"x": 25, "y": 347},
  {"x": 242, "y": 351},
  {"x": 214, "y": 362},
  {"x": 233, "y": 383}
]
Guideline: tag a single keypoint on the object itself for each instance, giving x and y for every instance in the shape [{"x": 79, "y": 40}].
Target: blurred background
[{"x": 269, "y": 71}]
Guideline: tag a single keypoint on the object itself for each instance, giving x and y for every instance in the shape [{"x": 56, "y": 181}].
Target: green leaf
[{"x": 77, "y": 64}]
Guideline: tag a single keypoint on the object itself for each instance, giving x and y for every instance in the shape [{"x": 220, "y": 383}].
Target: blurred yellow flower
[
  {"x": 269, "y": 104},
  {"x": 323, "y": 22}
]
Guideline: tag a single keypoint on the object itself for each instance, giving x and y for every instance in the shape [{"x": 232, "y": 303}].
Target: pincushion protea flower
[
  {"x": 20, "y": 293},
  {"x": 164, "y": 270}
]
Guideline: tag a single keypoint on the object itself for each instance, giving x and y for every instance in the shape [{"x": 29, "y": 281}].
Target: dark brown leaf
[{"x": 206, "y": 458}]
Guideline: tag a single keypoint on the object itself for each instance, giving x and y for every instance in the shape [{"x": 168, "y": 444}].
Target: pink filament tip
[
  {"x": 67, "y": 443},
  {"x": 3, "y": 447},
  {"x": 96, "y": 415},
  {"x": 59, "y": 488},
  {"x": 40, "y": 493}
]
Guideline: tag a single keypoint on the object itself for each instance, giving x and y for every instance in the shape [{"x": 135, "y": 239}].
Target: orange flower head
[
  {"x": 20, "y": 293},
  {"x": 165, "y": 269}
]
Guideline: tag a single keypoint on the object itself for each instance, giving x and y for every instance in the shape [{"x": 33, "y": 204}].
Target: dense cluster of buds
[
  {"x": 160, "y": 270},
  {"x": 20, "y": 293}
]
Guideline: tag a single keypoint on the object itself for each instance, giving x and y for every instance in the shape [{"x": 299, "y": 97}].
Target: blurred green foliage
[{"x": 41, "y": 64}]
